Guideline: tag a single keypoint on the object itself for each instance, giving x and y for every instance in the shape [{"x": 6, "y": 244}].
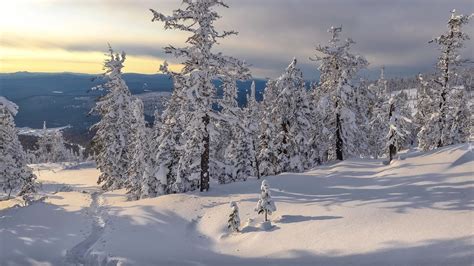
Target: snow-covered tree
[
  {"x": 286, "y": 124},
  {"x": 338, "y": 66},
  {"x": 460, "y": 115},
  {"x": 376, "y": 129},
  {"x": 52, "y": 147},
  {"x": 113, "y": 136},
  {"x": 397, "y": 114},
  {"x": 239, "y": 156},
  {"x": 436, "y": 130},
  {"x": 138, "y": 147},
  {"x": 234, "y": 220},
  {"x": 265, "y": 204},
  {"x": 235, "y": 134},
  {"x": 252, "y": 116},
  {"x": 15, "y": 175},
  {"x": 424, "y": 107},
  {"x": 201, "y": 67},
  {"x": 166, "y": 146}
]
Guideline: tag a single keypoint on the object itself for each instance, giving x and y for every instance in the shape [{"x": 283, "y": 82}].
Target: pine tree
[
  {"x": 436, "y": 131},
  {"x": 234, "y": 220},
  {"x": 201, "y": 67},
  {"x": 113, "y": 136},
  {"x": 265, "y": 204},
  {"x": 337, "y": 103},
  {"x": 15, "y": 175}
]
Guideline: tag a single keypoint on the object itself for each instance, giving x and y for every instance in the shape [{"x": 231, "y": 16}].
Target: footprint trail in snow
[{"x": 78, "y": 254}]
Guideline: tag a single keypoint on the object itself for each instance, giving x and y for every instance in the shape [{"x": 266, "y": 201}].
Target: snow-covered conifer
[
  {"x": 286, "y": 124},
  {"x": 376, "y": 129},
  {"x": 436, "y": 130},
  {"x": 201, "y": 67},
  {"x": 112, "y": 139},
  {"x": 338, "y": 66},
  {"x": 138, "y": 147},
  {"x": 252, "y": 117},
  {"x": 15, "y": 175},
  {"x": 399, "y": 123},
  {"x": 460, "y": 122},
  {"x": 265, "y": 204},
  {"x": 234, "y": 220},
  {"x": 234, "y": 132},
  {"x": 52, "y": 147},
  {"x": 161, "y": 171}
]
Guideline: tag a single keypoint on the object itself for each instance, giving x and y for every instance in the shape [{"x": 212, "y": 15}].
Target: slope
[{"x": 416, "y": 211}]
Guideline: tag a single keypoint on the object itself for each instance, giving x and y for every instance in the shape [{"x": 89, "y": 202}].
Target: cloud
[{"x": 271, "y": 32}]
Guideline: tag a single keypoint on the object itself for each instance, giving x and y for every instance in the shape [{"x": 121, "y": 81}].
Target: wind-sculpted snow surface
[{"x": 415, "y": 211}]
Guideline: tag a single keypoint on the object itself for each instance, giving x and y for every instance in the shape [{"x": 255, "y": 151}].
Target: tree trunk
[
  {"x": 266, "y": 218},
  {"x": 256, "y": 159},
  {"x": 204, "y": 186},
  {"x": 339, "y": 141},
  {"x": 392, "y": 151}
]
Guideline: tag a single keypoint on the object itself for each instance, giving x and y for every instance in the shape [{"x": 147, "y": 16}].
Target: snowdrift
[{"x": 416, "y": 211}]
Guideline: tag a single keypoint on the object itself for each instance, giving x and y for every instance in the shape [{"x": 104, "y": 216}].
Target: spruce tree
[
  {"x": 234, "y": 220},
  {"x": 338, "y": 66},
  {"x": 138, "y": 150},
  {"x": 252, "y": 117},
  {"x": 201, "y": 67},
  {"x": 436, "y": 129},
  {"x": 265, "y": 204},
  {"x": 286, "y": 124},
  {"x": 397, "y": 115},
  {"x": 161, "y": 175},
  {"x": 113, "y": 136}
]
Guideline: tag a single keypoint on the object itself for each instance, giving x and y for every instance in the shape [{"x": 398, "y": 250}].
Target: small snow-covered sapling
[
  {"x": 234, "y": 220},
  {"x": 265, "y": 203}
]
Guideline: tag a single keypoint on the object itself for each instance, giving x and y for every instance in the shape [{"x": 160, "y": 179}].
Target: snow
[
  {"x": 38, "y": 132},
  {"x": 10, "y": 106},
  {"x": 415, "y": 211}
]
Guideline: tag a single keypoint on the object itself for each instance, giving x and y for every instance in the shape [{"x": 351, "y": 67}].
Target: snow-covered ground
[{"x": 416, "y": 211}]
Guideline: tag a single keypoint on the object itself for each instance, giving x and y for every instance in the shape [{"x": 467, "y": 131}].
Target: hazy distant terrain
[{"x": 63, "y": 99}]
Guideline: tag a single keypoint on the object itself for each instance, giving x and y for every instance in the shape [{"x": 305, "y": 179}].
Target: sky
[{"x": 72, "y": 35}]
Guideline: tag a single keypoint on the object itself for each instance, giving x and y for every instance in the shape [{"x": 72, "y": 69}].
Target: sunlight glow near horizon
[
  {"x": 14, "y": 60},
  {"x": 35, "y": 36},
  {"x": 72, "y": 35}
]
